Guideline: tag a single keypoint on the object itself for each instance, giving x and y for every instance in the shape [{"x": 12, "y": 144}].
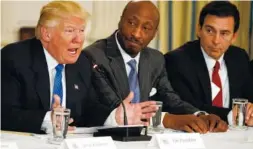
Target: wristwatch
[{"x": 201, "y": 113}]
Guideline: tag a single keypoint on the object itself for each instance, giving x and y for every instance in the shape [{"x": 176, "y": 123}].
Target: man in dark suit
[
  {"x": 28, "y": 74},
  {"x": 210, "y": 72},
  {"x": 124, "y": 63},
  {"x": 251, "y": 66}
]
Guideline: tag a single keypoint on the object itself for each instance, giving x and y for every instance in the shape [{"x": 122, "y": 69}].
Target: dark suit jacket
[
  {"x": 111, "y": 78},
  {"x": 189, "y": 76},
  {"x": 251, "y": 66},
  {"x": 26, "y": 90}
]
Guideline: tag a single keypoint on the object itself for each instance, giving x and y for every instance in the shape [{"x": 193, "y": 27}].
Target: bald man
[{"x": 126, "y": 69}]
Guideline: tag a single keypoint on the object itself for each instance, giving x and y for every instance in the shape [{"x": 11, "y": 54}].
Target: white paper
[
  {"x": 83, "y": 130},
  {"x": 177, "y": 141},
  {"x": 8, "y": 145},
  {"x": 88, "y": 143}
]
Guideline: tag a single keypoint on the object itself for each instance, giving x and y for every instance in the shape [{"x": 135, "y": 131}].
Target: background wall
[
  {"x": 178, "y": 21},
  {"x": 105, "y": 16}
]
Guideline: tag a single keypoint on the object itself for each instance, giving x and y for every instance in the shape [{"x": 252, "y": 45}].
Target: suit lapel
[
  {"x": 201, "y": 70},
  {"x": 143, "y": 75},
  {"x": 41, "y": 73},
  {"x": 72, "y": 85},
  {"x": 117, "y": 66},
  {"x": 232, "y": 77}
]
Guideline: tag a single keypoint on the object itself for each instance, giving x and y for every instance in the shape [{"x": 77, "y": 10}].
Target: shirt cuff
[
  {"x": 47, "y": 124},
  {"x": 229, "y": 117},
  {"x": 111, "y": 121},
  {"x": 198, "y": 112}
]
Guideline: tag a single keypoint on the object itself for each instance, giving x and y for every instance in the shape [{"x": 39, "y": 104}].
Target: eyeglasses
[{"x": 224, "y": 35}]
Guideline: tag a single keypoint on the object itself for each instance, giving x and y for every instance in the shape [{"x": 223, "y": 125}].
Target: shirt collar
[
  {"x": 210, "y": 62},
  {"x": 51, "y": 62},
  {"x": 126, "y": 57}
]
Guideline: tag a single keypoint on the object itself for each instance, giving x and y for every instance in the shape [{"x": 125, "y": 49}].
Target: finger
[
  {"x": 71, "y": 128},
  {"x": 57, "y": 101},
  {"x": 202, "y": 125},
  {"x": 147, "y": 115},
  {"x": 149, "y": 109},
  {"x": 71, "y": 120},
  {"x": 144, "y": 123},
  {"x": 212, "y": 123},
  {"x": 147, "y": 103},
  {"x": 129, "y": 98},
  {"x": 234, "y": 112},
  {"x": 221, "y": 127},
  {"x": 249, "y": 111},
  {"x": 194, "y": 126},
  {"x": 250, "y": 122},
  {"x": 187, "y": 129}
]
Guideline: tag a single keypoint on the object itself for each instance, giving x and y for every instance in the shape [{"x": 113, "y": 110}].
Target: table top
[{"x": 232, "y": 139}]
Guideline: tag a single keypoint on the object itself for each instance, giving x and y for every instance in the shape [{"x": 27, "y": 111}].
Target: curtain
[{"x": 179, "y": 20}]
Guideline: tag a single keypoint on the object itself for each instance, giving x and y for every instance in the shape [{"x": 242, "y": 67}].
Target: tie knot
[
  {"x": 216, "y": 66},
  {"x": 59, "y": 68},
  {"x": 132, "y": 64}
]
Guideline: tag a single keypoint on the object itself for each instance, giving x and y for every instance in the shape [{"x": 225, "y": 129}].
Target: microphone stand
[{"x": 126, "y": 133}]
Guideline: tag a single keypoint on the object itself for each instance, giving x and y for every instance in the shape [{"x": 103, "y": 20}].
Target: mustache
[{"x": 134, "y": 40}]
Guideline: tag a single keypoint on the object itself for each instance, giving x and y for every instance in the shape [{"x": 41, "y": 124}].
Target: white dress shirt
[
  {"x": 111, "y": 121},
  {"x": 51, "y": 64},
  {"x": 210, "y": 62}
]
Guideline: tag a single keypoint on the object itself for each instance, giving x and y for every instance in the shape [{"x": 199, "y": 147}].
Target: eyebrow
[{"x": 210, "y": 26}]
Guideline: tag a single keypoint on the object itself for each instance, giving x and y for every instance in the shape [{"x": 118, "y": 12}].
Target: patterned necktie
[
  {"x": 133, "y": 81},
  {"x": 58, "y": 82},
  {"x": 217, "y": 81}
]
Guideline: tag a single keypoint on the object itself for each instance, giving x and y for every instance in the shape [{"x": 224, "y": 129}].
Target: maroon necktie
[{"x": 217, "y": 81}]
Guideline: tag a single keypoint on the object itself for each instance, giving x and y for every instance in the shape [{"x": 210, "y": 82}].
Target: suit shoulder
[
  {"x": 236, "y": 50},
  {"x": 154, "y": 52},
  {"x": 183, "y": 49},
  {"x": 97, "y": 48},
  {"x": 16, "y": 50}
]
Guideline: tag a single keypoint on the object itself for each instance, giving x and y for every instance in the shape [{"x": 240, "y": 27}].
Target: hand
[
  {"x": 135, "y": 111},
  {"x": 189, "y": 123},
  {"x": 56, "y": 105},
  {"x": 249, "y": 114},
  {"x": 214, "y": 123}
]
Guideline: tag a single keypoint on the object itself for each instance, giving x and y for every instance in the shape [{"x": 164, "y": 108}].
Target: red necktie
[{"x": 217, "y": 81}]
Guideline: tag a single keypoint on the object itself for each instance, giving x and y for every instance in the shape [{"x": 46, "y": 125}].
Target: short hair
[
  {"x": 53, "y": 12},
  {"x": 220, "y": 9}
]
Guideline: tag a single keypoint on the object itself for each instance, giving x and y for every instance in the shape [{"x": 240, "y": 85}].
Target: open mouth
[{"x": 73, "y": 51}]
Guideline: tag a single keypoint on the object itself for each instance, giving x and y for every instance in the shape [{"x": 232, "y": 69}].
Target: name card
[
  {"x": 177, "y": 141},
  {"x": 88, "y": 143},
  {"x": 8, "y": 145}
]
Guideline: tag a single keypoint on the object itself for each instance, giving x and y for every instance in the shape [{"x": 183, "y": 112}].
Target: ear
[
  {"x": 198, "y": 30},
  {"x": 45, "y": 33},
  {"x": 234, "y": 37}
]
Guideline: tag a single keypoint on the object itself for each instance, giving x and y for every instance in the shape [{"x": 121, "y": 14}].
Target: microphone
[
  {"x": 119, "y": 133},
  {"x": 102, "y": 73}
]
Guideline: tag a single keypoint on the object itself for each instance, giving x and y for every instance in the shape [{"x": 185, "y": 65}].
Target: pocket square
[
  {"x": 152, "y": 92},
  {"x": 76, "y": 86}
]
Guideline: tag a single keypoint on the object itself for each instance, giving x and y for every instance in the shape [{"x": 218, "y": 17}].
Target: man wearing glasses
[{"x": 210, "y": 72}]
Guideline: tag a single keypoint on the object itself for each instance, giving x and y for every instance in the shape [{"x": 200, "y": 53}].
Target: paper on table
[{"x": 83, "y": 130}]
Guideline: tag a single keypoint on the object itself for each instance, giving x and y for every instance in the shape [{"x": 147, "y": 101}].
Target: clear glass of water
[
  {"x": 157, "y": 118},
  {"x": 60, "y": 121},
  {"x": 239, "y": 114}
]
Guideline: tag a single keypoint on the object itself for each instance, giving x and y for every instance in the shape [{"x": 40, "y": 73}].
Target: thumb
[
  {"x": 129, "y": 97},
  {"x": 57, "y": 101}
]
